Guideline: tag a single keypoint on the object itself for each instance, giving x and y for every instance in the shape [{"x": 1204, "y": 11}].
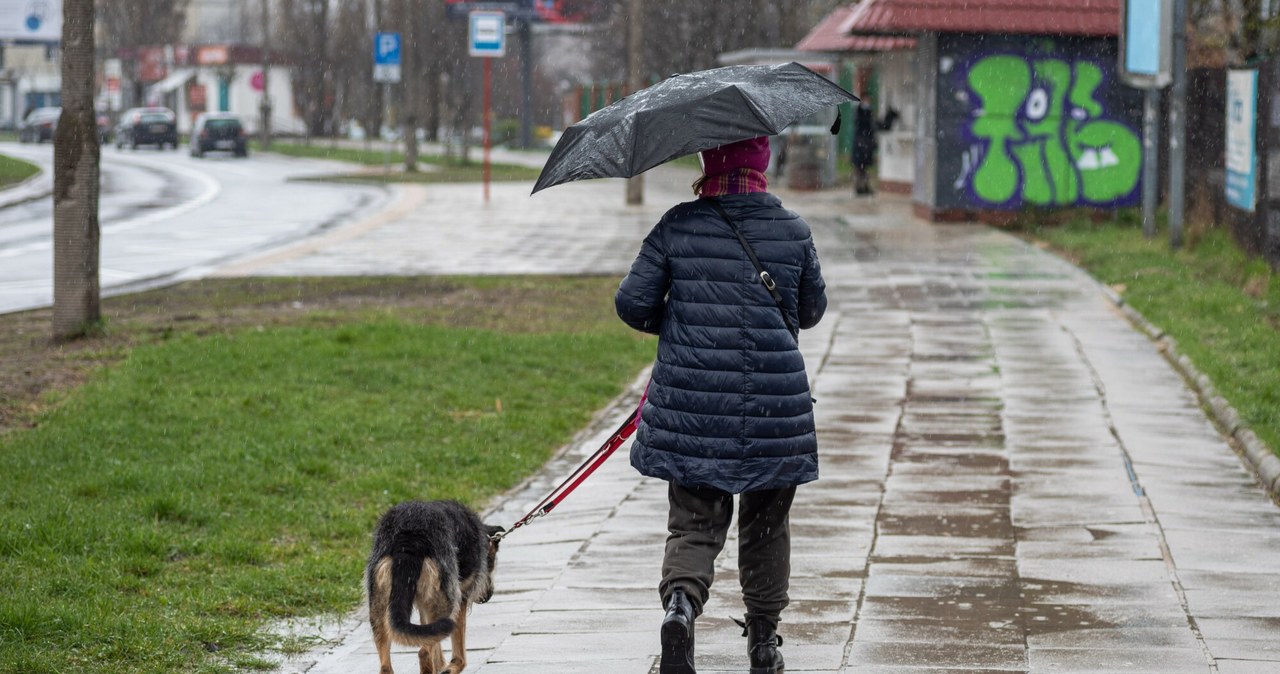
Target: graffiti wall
[{"x": 1034, "y": 122}]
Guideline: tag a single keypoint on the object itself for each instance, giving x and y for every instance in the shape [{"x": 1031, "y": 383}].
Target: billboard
[
  {"x": 548, "y": 11},
  {"x": 1242, "y": 157},
  {"x": 31, "y": 20}
]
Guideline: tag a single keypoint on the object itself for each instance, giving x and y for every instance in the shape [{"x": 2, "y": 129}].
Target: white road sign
[
  {"x": 488, "y": 34},
  {"x": 34, "y": 20}
]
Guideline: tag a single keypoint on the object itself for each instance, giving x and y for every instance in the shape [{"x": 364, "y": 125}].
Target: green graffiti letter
[
  {"x": 1046, "y": 141},
  {"x": 1107, "y": 154},
  {"x": 1001, "y": 82}
]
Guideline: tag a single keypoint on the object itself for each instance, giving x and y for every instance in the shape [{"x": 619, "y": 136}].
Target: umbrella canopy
[{"x": 685, "y": 114}]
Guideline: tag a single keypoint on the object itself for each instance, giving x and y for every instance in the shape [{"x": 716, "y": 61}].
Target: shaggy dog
[{"x": 437, "y": 556}]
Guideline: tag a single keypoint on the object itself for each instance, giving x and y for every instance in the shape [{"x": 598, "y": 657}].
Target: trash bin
[{"x": 806, "y": 155}]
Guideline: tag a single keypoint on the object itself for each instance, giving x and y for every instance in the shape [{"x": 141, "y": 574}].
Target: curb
[
  {"x": 42, "y": 194},
  {"x": 1256, "y": 455},
  {"x": 602, "y": 420},
  {"x": 333, "y": 632}
]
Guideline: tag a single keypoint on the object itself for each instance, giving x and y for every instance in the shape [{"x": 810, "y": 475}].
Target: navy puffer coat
[{"x": 729, "y": 404}]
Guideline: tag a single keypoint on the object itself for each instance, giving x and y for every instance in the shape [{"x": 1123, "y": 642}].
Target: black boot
[
  {"x": 677, "y": 636},
  {"x": 762, "y": 645}
]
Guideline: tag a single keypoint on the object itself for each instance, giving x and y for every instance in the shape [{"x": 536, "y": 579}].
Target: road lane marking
[
  {"x": 212, "y": 188},
  {"x": 408, "y": 199}
]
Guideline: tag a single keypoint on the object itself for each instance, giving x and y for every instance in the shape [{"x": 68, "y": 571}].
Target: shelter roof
[
  {"x": 827, "y": 36},
  {"x": 1027, "y": 17}
]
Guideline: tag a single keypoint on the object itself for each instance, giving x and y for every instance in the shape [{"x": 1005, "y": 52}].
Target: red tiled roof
[
  {"x": 1028, "y": 17},
  {"x": 827, "y": 37}
]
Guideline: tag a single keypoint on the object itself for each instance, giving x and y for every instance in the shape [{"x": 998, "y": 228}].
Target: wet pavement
[{"x": 1013, "y": 478}]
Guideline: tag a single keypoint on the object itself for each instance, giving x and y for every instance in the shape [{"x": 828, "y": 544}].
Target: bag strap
[{"x": 765, "y": 278}]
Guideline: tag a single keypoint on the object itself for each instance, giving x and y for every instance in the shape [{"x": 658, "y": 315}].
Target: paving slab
[{"x": 1013, "y": 478}]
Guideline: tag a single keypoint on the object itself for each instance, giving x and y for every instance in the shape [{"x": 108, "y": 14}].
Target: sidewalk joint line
[
  {"x": 1148, "y": 510},
  {"x": 1021, "y": 615},
  {"x": 875, "y": 520}
]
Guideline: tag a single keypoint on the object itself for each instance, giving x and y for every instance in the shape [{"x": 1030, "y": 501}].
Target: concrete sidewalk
[{"x": 1013, "y": 478}]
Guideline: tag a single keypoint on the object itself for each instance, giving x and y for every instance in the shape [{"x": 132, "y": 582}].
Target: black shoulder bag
[{"x": 765, "y": 278}]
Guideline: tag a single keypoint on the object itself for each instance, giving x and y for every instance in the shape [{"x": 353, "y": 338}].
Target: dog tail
[{"x": 406, "y": 575}]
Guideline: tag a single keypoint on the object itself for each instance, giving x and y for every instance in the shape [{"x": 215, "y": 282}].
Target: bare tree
[
  {"x": 357, "y": 95},
  {"x": 132, "y": 23},
  {"x": 304, "y": 26},
  {"x": 685, "y": 36},
  {"x": 76, "y": 294},
  {"x": 125, "y": 25},
  {"x": 412, "y": 58}
]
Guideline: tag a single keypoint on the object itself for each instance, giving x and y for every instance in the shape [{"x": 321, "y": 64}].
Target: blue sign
[
  {"x": 1242, "y": 148},
  {"x": 1142, "y": 41},
  {"x": 1146, "y": 43},
  {"x": 487, "y": 36},
  {"x": 386, "y": 57}
]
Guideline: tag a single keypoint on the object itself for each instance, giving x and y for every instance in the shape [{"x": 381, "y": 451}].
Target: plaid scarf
[{"x": 737, "y": 181}]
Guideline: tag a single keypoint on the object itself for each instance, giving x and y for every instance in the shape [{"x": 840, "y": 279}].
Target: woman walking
[{"x": 728, "y": 410}]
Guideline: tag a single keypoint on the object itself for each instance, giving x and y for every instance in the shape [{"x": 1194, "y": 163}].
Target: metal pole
[
  {"x": 526, "y": 86},
  {"x": 1150, "y": 160},
  {"x": 1178, "y": 125},
  {"x": 635, "y": 82},
  {"x": 265, "y": 106},
  {"x": 386, "y": 144},
  {"x": 488, "y": 89}
]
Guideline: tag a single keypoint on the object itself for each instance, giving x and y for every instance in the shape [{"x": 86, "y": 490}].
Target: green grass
[
  {"x": 321, "y": 149},
  {"x": 447, "y": 173},
  {"x": 220, "y": 476},
  {"x": 439, "y": 169},
  {"x": 1222, "y": 307},
  {"x": 14, "y": 171}
]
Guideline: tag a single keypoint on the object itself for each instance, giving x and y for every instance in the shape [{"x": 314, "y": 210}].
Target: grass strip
[
  {"x": 14, "y": 171},
  {"x": 440, "y": 168},
  {"x": 1221, "y": 306},
  {"x": 227, "y": 468},
  {"x": 444, "y": 173}
]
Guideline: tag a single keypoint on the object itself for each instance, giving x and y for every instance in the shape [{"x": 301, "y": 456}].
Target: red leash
[{"x": 582, "y": 472}]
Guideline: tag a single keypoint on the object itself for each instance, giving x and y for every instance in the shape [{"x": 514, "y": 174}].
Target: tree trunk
[
  {"x": 410, "y": 55},
  {"x": 76, "y": 297},
  {"x": 635, "y": 81}
]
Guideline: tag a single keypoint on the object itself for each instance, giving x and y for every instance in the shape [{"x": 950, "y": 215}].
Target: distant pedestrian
[
  {"x": 865, "y": 143},
  {"x": 728, "y": 409}
]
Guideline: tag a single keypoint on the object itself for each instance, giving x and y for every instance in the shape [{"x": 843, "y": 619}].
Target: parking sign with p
[{"x": 386, "y": 57}]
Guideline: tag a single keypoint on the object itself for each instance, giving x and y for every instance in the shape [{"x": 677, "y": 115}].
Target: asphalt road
[{"x": 166, "y": 216}]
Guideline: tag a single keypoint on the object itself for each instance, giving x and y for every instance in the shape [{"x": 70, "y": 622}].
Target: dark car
[
  {"x": 39, "y": 125},
  {"x": 147, "y": 126},
  {"x": 219, "y": 132}
]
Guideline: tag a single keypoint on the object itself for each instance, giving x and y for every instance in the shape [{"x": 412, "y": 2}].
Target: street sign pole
[
  {"x": 386, "y": 70},
  {"x": 1150, "y": 160},
  {"x": 487, "y": 33},
  {"x": 1178, "y": 125},
  {"x": 386, "y": 144},
  {"x": 488, "y": 116},
  {"x": 1146, "y": 62}
]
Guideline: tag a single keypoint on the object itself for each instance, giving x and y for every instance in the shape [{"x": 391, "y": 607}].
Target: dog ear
[{"x": 493, "y": 531}]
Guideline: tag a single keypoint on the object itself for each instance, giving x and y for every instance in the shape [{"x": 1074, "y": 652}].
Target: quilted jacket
[{"x": 728, "y": 406}]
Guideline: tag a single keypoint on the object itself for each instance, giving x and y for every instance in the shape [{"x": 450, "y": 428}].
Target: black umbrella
[{"x": 685, "y": 114}]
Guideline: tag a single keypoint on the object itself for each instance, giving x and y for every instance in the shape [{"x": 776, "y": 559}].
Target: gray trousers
[{"x": 699, "y": 522}]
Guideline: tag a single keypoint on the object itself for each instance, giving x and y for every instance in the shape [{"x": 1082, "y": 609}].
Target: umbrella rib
[
  {"x": 635, "y": 137},
  {"x": 755, "y": 111}
]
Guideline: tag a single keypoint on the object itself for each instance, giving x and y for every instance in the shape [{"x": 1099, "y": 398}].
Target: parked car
[
  {"x": 147, "y": 126},
  {"x": 219, "y": 131},
  {"x": 39, "y": 125}
]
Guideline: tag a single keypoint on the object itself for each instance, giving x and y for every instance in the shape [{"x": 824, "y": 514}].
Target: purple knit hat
[{"x": 752, "y": 153}]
